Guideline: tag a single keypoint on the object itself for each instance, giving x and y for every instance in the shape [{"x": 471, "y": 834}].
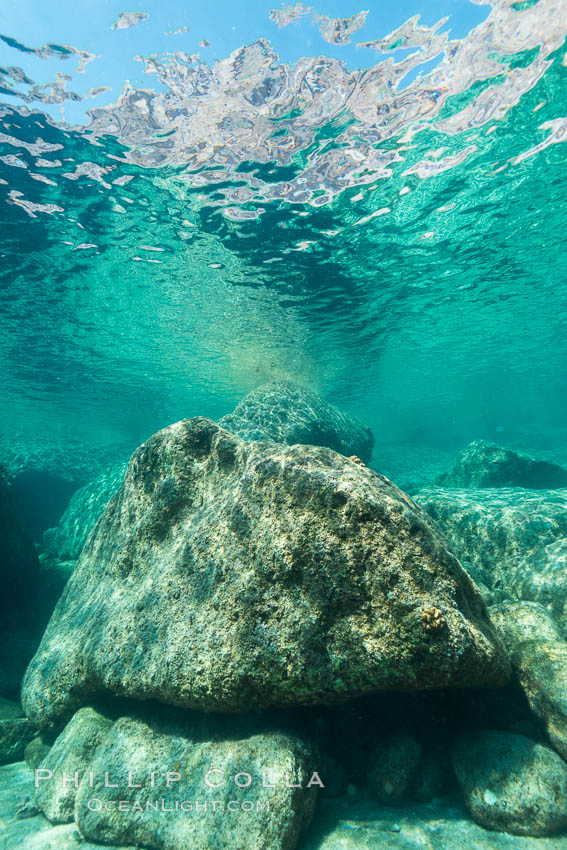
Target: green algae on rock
[
  {"x": 510, "y": 783},
  {"x": 228, "y": 576},
  {"x": 483, "y": 464},
  {"x": 289, "y": 413}
]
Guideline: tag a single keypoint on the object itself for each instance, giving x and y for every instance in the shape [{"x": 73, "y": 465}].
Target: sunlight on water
[{"x": 389, "y": 234}]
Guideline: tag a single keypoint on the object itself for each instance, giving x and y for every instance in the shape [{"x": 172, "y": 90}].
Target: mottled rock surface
[
  {"x": 510, "y": 783},
  {"x": 483, "y": 464},
  {"x": 541, "y": 668},
  {"x": 493, "y": 532},
  {"x": 36, "y": 751},
  {"x": 252, "y": 817},
  {"x": 15, "y": 732},
  {"x": 521, "y": 621},
  {"x": 85, "y": 507},
  {"x": 228, "y": 575},
  {"x": 289, "y": 413},
  {"x": 72, "y": 752},
  {"x": 542, "y": 577}
]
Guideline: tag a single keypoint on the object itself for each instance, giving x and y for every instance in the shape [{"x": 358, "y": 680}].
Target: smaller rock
[
  {"x": 393, "y": 767},
  {"x": 36, "y": 751},
  {"x": 521, "y": 621},
  {"x": 510, "y": 783},
  {"x": 70, "y": 755},
  {"x": 238, "y": 809},
  {"x": 27, "y": 810},
  {"x": 15, "y": 732},
  {"x": 284, "y": 412},
  {"x": 484, "y": 464}
]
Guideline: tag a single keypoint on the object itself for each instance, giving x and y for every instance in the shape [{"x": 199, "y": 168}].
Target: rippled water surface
[{"x": 196, "y": 200}]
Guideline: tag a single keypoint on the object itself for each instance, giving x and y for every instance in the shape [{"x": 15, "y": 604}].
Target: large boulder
[
  {"x": 288, "y": 413},
  {"x": 86, "y": 505},
  {"x": 483, "y": 464},
  {"x": 510, "y": 783},
  {"x": 493, "y": 532},
  {"x": 213, "y": 785},
  {"x": 227, "y": 575}
]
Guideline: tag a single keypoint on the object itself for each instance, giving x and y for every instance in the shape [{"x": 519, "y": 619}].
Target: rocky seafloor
[{"x": 246, "y": 636}]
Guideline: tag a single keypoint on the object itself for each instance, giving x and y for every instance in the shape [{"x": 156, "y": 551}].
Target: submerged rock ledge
[{"x": 231, "y": 576}]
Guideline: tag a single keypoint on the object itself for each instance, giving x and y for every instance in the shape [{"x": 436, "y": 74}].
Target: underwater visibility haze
[{"x": 305, "y": 265}]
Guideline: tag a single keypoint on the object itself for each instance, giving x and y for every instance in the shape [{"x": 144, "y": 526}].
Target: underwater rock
[
  {"x": 255, "y": 791},
  {"x": 74, "y": 461},
  {"x": 36, "y": 751},
  {"x": 510, "y": 783},
  {"x": 284, "y": 412},
  {"x": 22, "y": 827},
  {"x": 228, "y": 576},
  {"x": 83, "y": 510},
  {"x": 542, "y": 577},
  {"x": 15, "y": 732},
  {"x": 393, "y": 767},
  {"x": 483, "y": 464},
  {"x": 494, "y": 531},
  {"x": 541, "y": 669},
  {"x": 73, "y": 751},
  {"x": 521, "y": 621}
]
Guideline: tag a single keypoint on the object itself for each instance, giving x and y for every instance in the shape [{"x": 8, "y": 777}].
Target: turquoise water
[
  {"x": 396, "y": 246},
  {"x": 365, "y": 205}
]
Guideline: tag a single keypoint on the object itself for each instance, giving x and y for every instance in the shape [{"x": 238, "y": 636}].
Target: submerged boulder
[
  {"x": 227, "y": 576},
  {"x": 285, "y": 412},
  {"x": 86, "y": 505},
  {"x": 484, "y": 464},
  {"x": 493, "y": 532},
  {"x": 541, "y": 670},
  {"x": 542, "y": 577},
  {"x": 511, "y": 783},
  {"x": 212, "y": 787}
]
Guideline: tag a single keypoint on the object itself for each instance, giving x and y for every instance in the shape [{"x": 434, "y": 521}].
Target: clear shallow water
[{"x": 387, "y": 228}]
